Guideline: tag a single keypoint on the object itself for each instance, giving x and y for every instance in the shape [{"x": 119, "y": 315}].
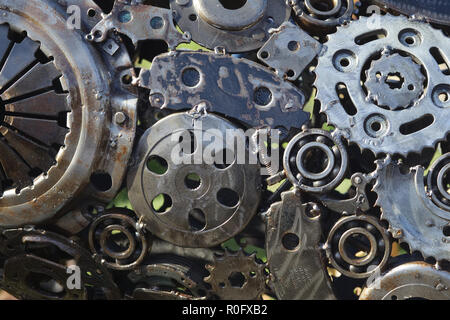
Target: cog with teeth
[
  {"x": 237, "y": 276},
  {"x": 407, "y": 205}
]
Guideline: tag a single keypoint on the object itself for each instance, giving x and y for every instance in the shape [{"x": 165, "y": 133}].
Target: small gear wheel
[{"x": 237, "y": 276}]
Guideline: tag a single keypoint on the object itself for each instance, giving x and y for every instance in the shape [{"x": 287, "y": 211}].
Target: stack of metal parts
[{"x": 97, "y": 96}]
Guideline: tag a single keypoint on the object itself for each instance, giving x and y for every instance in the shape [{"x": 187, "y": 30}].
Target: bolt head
[{"x": 120, "y": 118}]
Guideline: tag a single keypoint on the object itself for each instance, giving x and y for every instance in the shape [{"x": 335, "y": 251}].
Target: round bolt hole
[
  {"x": 91, "y": 13},
  {"x": 293, "y": 45},
  {"x": 410, "y": 40},
  {"x": 290, "y": 241},
  {"x": 376, "y": 126},
  {"x": 237, "y": 279},
  {"x": 446, "y": 231},
  {"x": 228, "y": 197},
  {"x": 192, "y": 181},
  {"x": 157, "y": 23},
  {"x": 345, "y": 62},
  {"x": 127, "y": 79},
  {"x": 157, "y": 165},
  {"x": 193, "y": 17},
  {"x": 443, "y": 97},
  {"x": 190, "y": 77},
  {"x": 290, "y": 73},
  {"x": 264, "y": 54},
  {"x": 101, "y": 181},
  {"x": 125, "y": 16},
  {"x": 262, "y": 96}
]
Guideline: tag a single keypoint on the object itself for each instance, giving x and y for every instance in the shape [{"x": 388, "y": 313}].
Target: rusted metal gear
[
  {"x": 402, "y": 57},
  {"x": 235, "y": 25},
  {"x": 237, "y": 276},
  {"x": 187, "y": 195},
  {"x": 422, "y": 221},
  {"x": 64, "y": 110}
]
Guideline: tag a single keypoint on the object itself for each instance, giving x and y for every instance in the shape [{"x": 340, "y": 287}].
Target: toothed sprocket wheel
[
  {"x": 237, "y": 276},
  {"x": 408, "y": 207},
  {"x": 391, "y": 61}
]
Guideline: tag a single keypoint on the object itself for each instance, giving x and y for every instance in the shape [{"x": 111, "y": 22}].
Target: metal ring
[{"x": 330, "y": 164}]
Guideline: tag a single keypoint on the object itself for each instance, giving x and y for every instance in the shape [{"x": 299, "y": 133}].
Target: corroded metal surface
[{"x": 224, "y": 149}]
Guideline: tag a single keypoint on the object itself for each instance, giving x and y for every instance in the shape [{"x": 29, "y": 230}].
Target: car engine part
[
  {"x": 236, "y": 276},
  {"x": 438, "y": 12},
  {"x": 297, "y": 268},
  {"x": 239, "y": 89},
  {"x": 358, "y": 246},
  {"x": 315, "y": 161},
  {"x": 301, "y": 50},
  {"x": 383, "y": 86},
  {"x": 117, "y": 239},
  {"x": 236, "y": 25},
  {"x": 56, "y": 127},
  {"x": 326, "y": 14},
  {"x": 203, "y": 204},
  {"x": 224, "y": 149},
  {"x": 410, "y": 281}
]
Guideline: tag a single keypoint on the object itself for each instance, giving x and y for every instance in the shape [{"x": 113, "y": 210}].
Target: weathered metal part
[
  {"x": 326, "y": 14},
  {"x": 20, "y": 270},
  {"x": 289, "y": 51},
  {"x": 438, "y": 182},
  {"x": 203, "y": 201},
  {"x": 429, "y": 10},
  {"x": 24, "y": 249},
  {"x": 363, "y": 233},
  {"x": 394, "y": 81},
  {"x": 161, "y": 247},
  {"x": 315, "y": 160},
  {"x": 117, "y": 240},
  {"x": 139, "y": 22},
  {"x": 293, "y": 233},
  {"x": 71, "y": 137},
  {"x": 340, "y": 70},
  {"x": 236, "y": 26},
  {"x": 163, "y": 277},
  {"x": 234, "y": 87},
  {"x": 236, "y": 276},
  {"x": 418, "y": 221},
  {"x": 410, "y": 281},
  {"x": 359, "y": 202}
]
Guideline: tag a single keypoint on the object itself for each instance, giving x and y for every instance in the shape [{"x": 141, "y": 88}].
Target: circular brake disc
[
  {"x": 381, "y": 83},
  {"x": 183, "y": 187}
]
